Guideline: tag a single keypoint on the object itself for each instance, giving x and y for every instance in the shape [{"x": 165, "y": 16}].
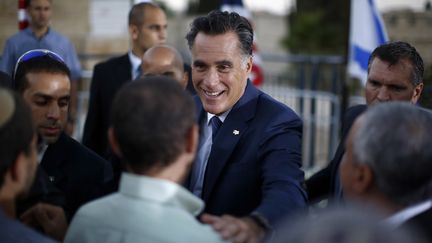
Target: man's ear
[
  {"x": 249, "y": 64},
  {"x": 192, "y": 139},
  {"x": 114, "y": 143},
  {"x": 417, "y": 93},
  {"x": 133, "y": 31},
  {"x": 185, "y": 80},
  {"x": 364, "y": 180}
]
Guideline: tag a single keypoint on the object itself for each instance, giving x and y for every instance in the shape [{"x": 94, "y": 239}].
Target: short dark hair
[
  {"x": 395, "y": 52},
  {"x": 136, "y": 14},
  {"x": 37, "y": 65},
  {"x": 16, "y": 130},
  {"x": 27, "y": 2},
  {"x": 151, "y": 117},
  {"x": 218, "y": 22}
]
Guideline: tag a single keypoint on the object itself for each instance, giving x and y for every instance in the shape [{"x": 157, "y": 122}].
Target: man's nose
[
  {"x": 211, "y": 77},
  {"x": 163, "y": 34},
  {"x": 383, "y": 94},
  {"x": 53, "y": 112}
]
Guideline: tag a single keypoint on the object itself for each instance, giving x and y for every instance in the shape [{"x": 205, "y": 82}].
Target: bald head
[{"x": 164, "y": 60}]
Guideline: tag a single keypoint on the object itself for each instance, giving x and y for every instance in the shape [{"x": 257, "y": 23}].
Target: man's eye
[
  {"x": 40, "y": 102},
  {"x": 63, "y": 103},
  {"x": 199, "y": 68},
  {"x": 398, "y": 89},
  {"x": 224, "y": 68},
  {"x": 374, "y": 83},
  {"x": 155, "y": 28}
]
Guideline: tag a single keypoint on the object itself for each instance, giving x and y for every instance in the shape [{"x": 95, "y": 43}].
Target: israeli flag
[{"x": 366, "y": 33}]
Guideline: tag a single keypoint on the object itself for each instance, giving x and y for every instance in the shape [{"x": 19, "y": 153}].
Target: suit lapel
[
  {"x": 124, "y": 68},
  {"x": 53, "y": 159},
  {"x": 233, "y": 128}
]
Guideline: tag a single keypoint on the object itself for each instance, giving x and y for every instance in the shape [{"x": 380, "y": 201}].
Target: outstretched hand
[
  {"x": 238, "y": 230},
  {"x": 48, "y": 217}
]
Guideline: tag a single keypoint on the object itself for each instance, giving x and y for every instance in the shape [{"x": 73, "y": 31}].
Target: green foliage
[
  {"x": 318, "y": 28},
  {"x": 202, "y": 6}
]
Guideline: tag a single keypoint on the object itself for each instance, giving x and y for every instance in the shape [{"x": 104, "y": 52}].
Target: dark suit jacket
[
  {"x": 322, "y": 184},
  {"x": 108, "y": 78},
  {"x": 76, "y": 171},
  {"x": 421, "y": 223},
  {"x": 258, "y": 170}
]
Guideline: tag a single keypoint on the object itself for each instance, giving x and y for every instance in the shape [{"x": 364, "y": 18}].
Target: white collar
[
  {"x": 135, "y": 62},
  {"x": 407, "y": 213},
  {"x": 221, "y": 117},
  {"x": 41, "y": 152},
  {"x": 161, "y": 191}
]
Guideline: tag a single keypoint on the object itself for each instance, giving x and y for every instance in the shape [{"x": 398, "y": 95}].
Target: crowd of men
[{"x": 221, "y": 161}]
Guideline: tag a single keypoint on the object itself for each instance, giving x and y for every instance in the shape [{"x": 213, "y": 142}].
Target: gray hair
[
  {"x": 218, "y": 22},
  {"x": 343, "y": 225},
  {"x": 394, "y": 140}
]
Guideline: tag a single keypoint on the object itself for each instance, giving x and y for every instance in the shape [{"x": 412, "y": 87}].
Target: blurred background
[{"x": 302, "y": 49}]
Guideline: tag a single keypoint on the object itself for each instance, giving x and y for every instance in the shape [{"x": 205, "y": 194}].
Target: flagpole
[{"x": 345, "y": 80}]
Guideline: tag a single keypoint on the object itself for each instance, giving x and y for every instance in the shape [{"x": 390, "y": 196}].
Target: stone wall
[{"x": 412, "y": 27}]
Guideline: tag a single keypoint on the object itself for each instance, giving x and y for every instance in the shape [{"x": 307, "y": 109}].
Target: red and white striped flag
[
  {"x": 257, "y": 74},
  {"x": 22, "y": 15}
]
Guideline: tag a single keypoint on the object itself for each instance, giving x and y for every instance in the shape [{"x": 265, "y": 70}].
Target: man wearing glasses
[{"x": 42, "y": 78}]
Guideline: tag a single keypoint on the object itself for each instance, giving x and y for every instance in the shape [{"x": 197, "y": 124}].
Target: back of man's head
[
  {"x": 396, "y": 52},
  {"x": 343, "y": 225},
  {"x": 394, "y": 140},
  {"x": 164, "y": 60},
  {"x": 151, "y": 118},
  {"x": 16, "y": 130}
]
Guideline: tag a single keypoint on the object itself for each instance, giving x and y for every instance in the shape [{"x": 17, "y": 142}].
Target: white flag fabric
[{"x": 366, "y": 33}]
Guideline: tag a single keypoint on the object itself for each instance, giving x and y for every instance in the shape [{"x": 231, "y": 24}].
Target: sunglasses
[{"x": 37, "y": 53}]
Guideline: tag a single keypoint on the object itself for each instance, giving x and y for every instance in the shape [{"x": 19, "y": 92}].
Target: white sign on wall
[{"x": 109, "y": 17}]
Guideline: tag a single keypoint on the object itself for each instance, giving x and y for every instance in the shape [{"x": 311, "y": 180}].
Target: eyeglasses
[{"x": 37, "y": 53}]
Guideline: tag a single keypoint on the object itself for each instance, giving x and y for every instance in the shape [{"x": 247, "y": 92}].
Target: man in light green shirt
[{"x": 154, "y": 132}]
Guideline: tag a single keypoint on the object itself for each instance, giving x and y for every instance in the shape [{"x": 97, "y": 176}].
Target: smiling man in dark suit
[{"x": 249, "y": 157}]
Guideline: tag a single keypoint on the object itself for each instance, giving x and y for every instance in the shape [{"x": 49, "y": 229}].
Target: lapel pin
[
  {"x": 236, "y": 132},
  {"x": 51, "y": 178}
]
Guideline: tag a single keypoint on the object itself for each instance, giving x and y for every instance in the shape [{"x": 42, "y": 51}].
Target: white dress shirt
[
  {"x": 204, "y": 149},
  {"x": 135, "y": 63},
  {"x": 144, "y": 210}
]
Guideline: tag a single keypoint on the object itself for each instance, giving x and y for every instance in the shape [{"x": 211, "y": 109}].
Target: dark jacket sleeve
[
  {"x": 92, "y": 130},
  {"x": 320, "y": 185}
]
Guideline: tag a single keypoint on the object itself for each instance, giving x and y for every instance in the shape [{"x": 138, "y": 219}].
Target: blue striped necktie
[
  {"x": 138, "y": 72},
  {"x": 216, "y": 124}
]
